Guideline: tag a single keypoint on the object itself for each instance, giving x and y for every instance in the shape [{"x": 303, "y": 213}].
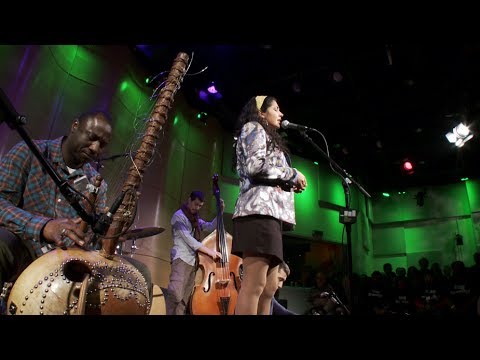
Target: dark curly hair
[
  {"x": 250, "y": 113},
  {"x": 197, "y": 194}
]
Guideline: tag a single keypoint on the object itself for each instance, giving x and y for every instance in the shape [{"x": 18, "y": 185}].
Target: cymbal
[{"x": 141, "y": 233}]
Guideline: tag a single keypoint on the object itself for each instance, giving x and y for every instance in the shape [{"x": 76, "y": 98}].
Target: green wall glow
[
  {"x": 306, "y": 207},
  {"x": 330, "y": 187},
  {"x": 473, "y": 191}
]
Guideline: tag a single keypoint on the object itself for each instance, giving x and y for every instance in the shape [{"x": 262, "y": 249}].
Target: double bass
[{"x": 217, "y": 293}]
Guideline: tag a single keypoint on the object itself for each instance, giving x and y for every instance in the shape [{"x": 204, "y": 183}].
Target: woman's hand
[{"x": 301, "y": 183}]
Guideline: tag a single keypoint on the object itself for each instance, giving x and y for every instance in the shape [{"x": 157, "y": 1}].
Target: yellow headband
[{"x": 260, "y": 99}]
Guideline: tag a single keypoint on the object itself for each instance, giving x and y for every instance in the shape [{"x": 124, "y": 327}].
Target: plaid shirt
[{"x": 29, "y": 198}]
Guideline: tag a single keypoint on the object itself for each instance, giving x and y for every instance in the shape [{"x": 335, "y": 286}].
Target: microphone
[
  {"x": 288, "y": 125},
  {"x": 8, "y": 112},
  {"x": 106, "y": 219}
]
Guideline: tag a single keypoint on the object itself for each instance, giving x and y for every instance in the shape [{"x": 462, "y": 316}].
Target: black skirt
[{"x": 258, "y": 234}]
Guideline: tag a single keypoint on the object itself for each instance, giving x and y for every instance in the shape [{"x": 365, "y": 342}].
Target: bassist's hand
[{"x": 215, "y": 255}]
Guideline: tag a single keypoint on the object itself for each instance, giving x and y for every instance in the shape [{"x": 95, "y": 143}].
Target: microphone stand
[
  {"x": 337, "y": 300},
  {"x": 16, "y": 122},
  {"x": 111, "y": 158},
  {"x": 348, "y": 216}
]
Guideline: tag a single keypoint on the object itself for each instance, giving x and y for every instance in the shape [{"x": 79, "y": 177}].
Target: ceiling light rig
[{"x": 459, "y": 135}]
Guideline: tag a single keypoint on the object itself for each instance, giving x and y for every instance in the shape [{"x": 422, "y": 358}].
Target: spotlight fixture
[
  {"x": 212, "y": 89},
  {"x": 209, "y": 93},
  {"x": 459, "y": 135},
  {"x": 407, "y": 167},
  {"x": 202, "y": 116}
]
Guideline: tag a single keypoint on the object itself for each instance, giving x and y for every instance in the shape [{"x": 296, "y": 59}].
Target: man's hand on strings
[{"x": 56, "y": 230}]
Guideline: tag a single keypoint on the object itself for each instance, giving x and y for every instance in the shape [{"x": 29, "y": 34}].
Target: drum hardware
[
  {"x": 119, "y": 248},
  {"x": 149, "y": 256},
  {"x": 141, "y": 233},
  {"x": 133, "y": 248},
  {"x": 135, "y": 234}
]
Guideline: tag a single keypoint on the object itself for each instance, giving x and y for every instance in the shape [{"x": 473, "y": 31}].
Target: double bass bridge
[{"x": 222, "y": 283}]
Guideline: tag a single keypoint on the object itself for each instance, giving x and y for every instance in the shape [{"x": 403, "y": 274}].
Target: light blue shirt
[{"x": 185, "y": 246}]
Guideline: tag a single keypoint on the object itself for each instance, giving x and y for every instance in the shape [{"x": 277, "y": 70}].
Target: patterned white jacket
[{"x": 266, "y": 178}]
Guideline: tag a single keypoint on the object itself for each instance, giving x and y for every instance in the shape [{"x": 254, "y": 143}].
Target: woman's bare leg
[
  {"x": 255, "y": 270},
  {"x": 265, "y": 301}
]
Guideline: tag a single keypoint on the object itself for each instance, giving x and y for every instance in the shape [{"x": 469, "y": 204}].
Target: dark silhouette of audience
[{"x": 451, "y": 290}]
